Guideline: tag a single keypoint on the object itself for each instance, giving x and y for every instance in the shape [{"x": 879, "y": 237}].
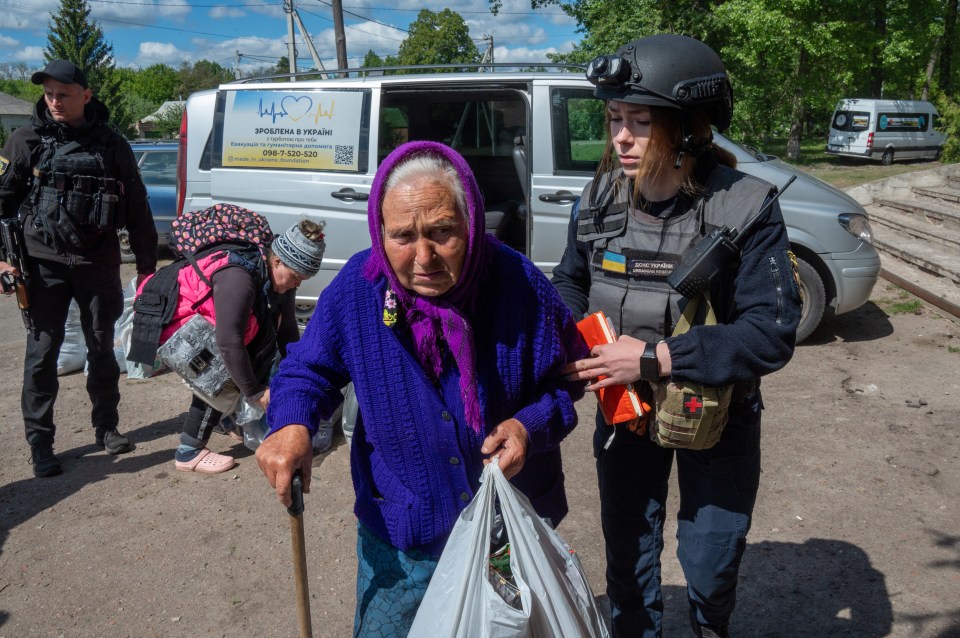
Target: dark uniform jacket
[
  {"x": 23, "y": 151},
  {"x": 757, "y": 302}
]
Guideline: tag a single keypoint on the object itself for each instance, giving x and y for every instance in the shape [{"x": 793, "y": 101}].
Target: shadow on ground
[{"x": 22, "y": 500}]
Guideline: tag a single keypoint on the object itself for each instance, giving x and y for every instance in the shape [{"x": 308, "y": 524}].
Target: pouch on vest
[
  {"x": 690, "y": 415},
  {"x": 75, "y": 203}
]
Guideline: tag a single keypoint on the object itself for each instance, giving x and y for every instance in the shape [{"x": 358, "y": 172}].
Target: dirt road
[{"x": 856, "y": 533}]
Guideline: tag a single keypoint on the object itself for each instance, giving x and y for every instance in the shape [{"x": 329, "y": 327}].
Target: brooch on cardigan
[{"x": 390, "y": 308}]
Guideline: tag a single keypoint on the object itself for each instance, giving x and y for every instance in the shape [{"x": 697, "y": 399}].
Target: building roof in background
[
  {"x": 166, "y": 106},
  {"x": 10, "y": 105}
]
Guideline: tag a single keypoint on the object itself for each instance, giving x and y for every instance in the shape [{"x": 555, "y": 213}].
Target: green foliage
[
  {"x": 74, "y": 36},
  {"x": 202, "y": 75},
  {"x": 790, "y": 60},
  {"x": 168, "y": 122},
  {"x": 438, "y": 38},
  {"x": 140, "y": 107},
  {"x": 949, "y": 109},
  {"x": 156, "y": 83},
  {"x": 23, "y": 89}
]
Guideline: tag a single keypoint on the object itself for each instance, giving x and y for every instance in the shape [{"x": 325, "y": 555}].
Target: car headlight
[{"x": 857, "y": 225}]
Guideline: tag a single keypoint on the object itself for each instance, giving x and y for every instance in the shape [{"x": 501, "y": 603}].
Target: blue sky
[{"x": 145, "y": 32}]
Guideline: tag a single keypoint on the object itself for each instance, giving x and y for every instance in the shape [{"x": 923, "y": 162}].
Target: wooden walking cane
[{"x": 299, "y": 556}]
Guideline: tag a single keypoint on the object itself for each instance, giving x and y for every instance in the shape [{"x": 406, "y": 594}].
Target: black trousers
[
  {"x": 199, "y": 423},
  {"x": 99, "y": 294}
]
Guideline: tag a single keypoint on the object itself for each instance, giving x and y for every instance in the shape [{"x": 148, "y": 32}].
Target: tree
[
  {"x": 73, "y": 36},
  {"x": 438, "y": 38},
  {"x": 202, "y": 75}
]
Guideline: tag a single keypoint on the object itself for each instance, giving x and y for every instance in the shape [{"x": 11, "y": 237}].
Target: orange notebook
[{"x": 618, "y": 403}]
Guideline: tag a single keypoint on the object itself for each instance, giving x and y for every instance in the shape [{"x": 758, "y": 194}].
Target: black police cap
[{"x": 61, "y": 71}]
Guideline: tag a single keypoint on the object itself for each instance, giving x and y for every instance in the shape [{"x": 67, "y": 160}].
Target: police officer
[
  {"x": 72, "y": 181},
  {"x": 660, "y": 187}
]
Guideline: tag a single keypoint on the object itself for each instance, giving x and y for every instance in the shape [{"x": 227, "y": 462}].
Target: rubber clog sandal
[{"x": 206, "y": 462}]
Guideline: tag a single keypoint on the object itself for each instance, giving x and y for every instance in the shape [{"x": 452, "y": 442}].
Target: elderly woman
[
  {"x": 248, "y": 293},
  {"x": 454, "y": 344}
]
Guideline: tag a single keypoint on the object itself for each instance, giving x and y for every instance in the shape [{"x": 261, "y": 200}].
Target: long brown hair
[{"x": 667, "y": 129}]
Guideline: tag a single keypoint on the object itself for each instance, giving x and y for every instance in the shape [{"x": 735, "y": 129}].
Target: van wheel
[
  {"x": 814, "y": 299},
  {"x": 939, "y": 154},
  {"x": 887, "y": 157}
]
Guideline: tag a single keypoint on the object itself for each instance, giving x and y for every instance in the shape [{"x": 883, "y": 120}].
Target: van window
[
  {"x": 305, "y": 129},
  {"x": 851, "y": 121},
  {"x": 579, "y": 136},
  {"x": 903, "y": 122}
]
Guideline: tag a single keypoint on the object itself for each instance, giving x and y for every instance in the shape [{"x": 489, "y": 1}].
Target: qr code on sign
[{"x": 343, "y": 155}]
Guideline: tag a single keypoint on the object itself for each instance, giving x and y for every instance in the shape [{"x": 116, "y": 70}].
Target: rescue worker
[
  {"x": 73, "y": 181},
  {"x": 661, "y": 186}
]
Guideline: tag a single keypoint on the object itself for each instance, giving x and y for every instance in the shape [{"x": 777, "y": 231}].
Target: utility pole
[
  {"x": 236, "y": 66},
  {"x": 339, "y": 36},
  {"x": 488, "y": 54},
  {"x": 309, "y": 41},
  {"x": 291, "y": 45}
]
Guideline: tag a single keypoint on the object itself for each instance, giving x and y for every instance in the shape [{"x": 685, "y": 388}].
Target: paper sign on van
[{"x": 309, "y": 130}]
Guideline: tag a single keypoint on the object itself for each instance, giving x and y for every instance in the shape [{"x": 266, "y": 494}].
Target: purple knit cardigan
[{"x": 410, "y": 458}]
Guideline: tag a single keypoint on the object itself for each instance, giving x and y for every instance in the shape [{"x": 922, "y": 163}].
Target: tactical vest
[
  {"x": 632, "y": 253},
  {"x": 73, "y": 199}
]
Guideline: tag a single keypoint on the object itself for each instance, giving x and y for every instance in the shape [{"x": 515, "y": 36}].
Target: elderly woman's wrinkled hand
[
  {"x": 509, "y": 441},
  {"x": 283, "y": 453}
]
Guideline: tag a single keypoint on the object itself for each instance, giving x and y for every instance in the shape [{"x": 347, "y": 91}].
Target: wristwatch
[{"x": 649, "y": 365}]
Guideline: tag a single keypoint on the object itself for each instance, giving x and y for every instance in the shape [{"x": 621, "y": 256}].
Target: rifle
[{"x": 13, "y": 253}]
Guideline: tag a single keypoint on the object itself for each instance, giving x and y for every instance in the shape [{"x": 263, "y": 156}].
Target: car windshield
[{"x": 159, "y": 167}]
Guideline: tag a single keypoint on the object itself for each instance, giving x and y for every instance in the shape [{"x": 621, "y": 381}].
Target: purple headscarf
[{"x": 444, "y": 318}]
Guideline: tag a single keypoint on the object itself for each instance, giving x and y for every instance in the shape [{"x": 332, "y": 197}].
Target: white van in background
[{"x": 885, "y": 130}]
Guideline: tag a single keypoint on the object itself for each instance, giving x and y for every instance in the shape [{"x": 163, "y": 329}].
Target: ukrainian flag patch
[
  {"x": 4, "y": 163},
  {"x": 614, "y": 262}
]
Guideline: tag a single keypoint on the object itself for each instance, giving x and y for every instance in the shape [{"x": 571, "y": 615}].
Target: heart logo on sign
[{"x": 296, "y": 107}]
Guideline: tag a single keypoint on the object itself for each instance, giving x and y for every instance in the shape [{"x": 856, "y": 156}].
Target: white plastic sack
[
  {"x": 73, "y": 352},
  {"x": 555, "y": 597}
]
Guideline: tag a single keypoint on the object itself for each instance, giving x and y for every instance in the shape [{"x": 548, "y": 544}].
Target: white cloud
[
  {"x": 7, "y": 42},
  {"x": 160, "y": 53},
  {"x": 31, "y": 55},
  {"x": 226, "y": 12}
]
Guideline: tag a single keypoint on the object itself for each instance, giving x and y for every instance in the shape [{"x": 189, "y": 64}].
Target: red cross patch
[{"x": 692, "y": 404}]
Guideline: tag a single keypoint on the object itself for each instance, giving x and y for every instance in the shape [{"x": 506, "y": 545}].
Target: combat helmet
[{"x": 669, "y": 70}]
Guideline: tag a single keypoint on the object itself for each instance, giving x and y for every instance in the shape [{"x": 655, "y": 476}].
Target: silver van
[
  {"x": 533, "y": 140},
  {"x": 885, "y": 130}
]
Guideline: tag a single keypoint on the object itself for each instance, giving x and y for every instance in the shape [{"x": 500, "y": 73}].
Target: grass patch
[
  {"x": 904, "y": 307},
  {"x": 953, "y": 349},
  {"x": 840, "y": 172}
]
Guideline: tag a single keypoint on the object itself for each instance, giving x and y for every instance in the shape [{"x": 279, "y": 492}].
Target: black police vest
[
  {"x": 632, "y": 253},
  {"x": 73, "y": 199}
]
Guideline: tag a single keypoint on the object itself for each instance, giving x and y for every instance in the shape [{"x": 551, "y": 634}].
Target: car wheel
[
  {"x": 887, "y": 157},
  {"x": 939, "y": 154},
  {"x": 126, "y": 254},
  {"x": 814, "y": 298},
  {"x": 304, "y": 311}
]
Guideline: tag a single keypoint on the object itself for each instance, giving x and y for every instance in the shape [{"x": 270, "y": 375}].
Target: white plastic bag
[
  {"x": 555, "y": 597},
  {"x": 73, "y": 352}
]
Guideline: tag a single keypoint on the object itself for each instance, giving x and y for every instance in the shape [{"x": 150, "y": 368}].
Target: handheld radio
[{"x": 714, "y": 253}]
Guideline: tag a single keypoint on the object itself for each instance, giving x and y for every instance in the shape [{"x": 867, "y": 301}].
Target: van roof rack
[{"x": 378, "y": 71}]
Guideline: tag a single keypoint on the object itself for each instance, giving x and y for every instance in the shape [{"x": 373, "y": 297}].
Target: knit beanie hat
[{"x": 298, "y": 252}]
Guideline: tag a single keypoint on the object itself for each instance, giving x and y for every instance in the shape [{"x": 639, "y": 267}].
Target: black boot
[
  {"x": 113, "y": 442},
  {"x": 707, "y": 631},
  {"x": 45, "y": 462}
]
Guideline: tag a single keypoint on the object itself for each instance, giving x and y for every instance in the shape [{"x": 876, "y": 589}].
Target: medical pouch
[{"x": 690, "y": 415}]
